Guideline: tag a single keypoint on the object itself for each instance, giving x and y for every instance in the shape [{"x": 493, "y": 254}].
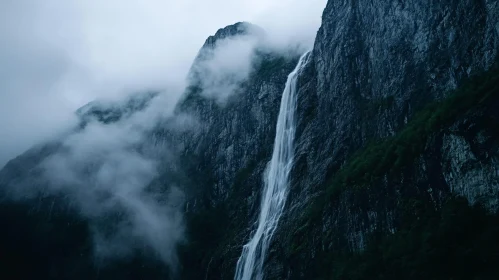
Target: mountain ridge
[{"x": 374, "y": 165}]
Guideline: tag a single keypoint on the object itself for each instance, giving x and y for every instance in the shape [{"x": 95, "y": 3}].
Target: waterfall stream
[{"x": 276, "y": 181}]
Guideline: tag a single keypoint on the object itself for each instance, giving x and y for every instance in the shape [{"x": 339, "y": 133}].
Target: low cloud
[
  {"x": 221, "y": 69},
  {"x": 108, "y": 170},
  {"x": 57, "y": 56}
]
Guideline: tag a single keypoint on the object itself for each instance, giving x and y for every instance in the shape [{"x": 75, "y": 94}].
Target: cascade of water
[{"x": 250, "y": 264}]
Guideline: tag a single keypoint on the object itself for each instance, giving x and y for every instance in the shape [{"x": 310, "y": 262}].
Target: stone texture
[{"x": 375, "y": 63}]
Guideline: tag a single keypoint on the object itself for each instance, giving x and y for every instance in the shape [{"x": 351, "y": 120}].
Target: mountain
[
  {"x": 376, "y": 67},
  {"x": 395, "y": 168},
  {"x": 366, "y": 144},
  {"x": 48, "y": 192},
  {"x": 45, "y": 232}
]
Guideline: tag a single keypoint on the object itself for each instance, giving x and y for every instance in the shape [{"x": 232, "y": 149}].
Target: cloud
[
  {"x": 108, "y": 171},
  {"x": 218, "y": 71},
  {"x": 291, "y": 22},
  {"x": 58, "y": 55}
]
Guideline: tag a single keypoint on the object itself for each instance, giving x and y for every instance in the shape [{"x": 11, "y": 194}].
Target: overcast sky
[{"x": 57, "y": 55}]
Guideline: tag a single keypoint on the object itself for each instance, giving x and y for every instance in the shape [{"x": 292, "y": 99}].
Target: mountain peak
[{"x": 234, "y": 30}]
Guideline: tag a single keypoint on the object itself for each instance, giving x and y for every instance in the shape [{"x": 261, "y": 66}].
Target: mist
[
  {"x": 57, "y": 56},
  {"x": 107, "y": 169}
]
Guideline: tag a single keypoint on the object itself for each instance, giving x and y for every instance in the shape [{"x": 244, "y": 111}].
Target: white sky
[{"x": 57, "y": 55}]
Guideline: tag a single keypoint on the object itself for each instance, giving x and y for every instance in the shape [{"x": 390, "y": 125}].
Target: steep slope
[
  {"x": 403, "y": 189},
  {"x": 276, "y": 182},
  {"x": 208, "y": 149},
  {"x": 376, "y": 65},
  {"x": 226, "y": 155},
  {"x": 384, "y": 144}
]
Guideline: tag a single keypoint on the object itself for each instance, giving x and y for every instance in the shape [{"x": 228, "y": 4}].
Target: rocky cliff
[
  {"x": 375, "y": 65},
  {"x": 207, "y": 149},
  {"x": 396, "y": 118}
]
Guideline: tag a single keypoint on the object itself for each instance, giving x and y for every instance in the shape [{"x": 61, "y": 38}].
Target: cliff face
[
  {"x": 371, "y": 163},
  {"x": 390, "y": 185},
  {"x": 226, "y": 154},
  {"x": 376, "y": 64}
]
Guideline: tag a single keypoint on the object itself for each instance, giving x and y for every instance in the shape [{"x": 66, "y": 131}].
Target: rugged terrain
[{"x": 396, "y": 166}]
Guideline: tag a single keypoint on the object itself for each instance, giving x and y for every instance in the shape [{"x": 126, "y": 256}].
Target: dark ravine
[{"x": 396, "y": 167}]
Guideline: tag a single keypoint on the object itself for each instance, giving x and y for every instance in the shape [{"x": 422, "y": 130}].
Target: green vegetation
[
  {"x": 46, "y": 239},
  {"x": 395, "y": 153},
  {"x": 457, "y": 242},
  {"x": 205, "y": 231}
]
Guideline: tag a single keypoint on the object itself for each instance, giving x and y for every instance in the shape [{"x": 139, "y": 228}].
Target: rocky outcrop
[
  {"x": 375, "y": 65},
  {"x": 227, "y": 153},
  {"x": 458, "y": 158},
  {"x": 470, "y": 167}
]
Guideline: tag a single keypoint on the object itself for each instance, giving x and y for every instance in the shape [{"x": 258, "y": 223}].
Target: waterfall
[{"x": 276, "y": 181}]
